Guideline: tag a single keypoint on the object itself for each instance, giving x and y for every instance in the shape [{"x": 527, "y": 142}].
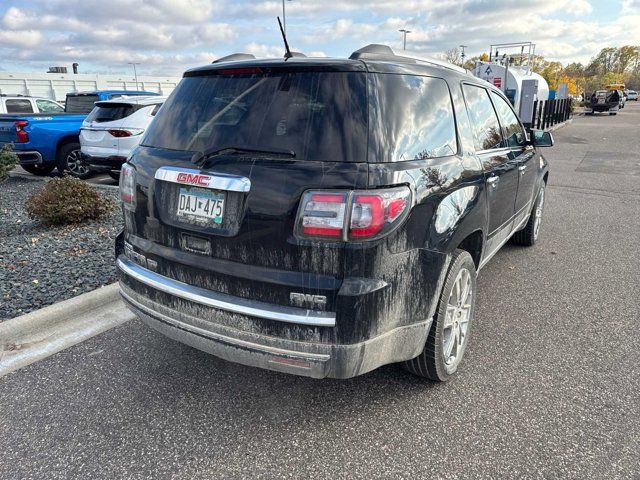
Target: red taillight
[
  {"x": 374, "y": 213},
  {"x": 323, "y": 214},
  {"x": 128, "y": 186},
  {"x": 21, "y": 134},
  {"x": 120, "y": 133},
  {"x": 367, "y": 215}
]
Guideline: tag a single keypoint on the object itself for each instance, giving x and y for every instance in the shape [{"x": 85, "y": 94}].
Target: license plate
[{"x": 201, "y": 206}]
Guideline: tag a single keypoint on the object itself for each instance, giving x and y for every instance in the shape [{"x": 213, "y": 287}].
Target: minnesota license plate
[{"x": 200, "y": 205}]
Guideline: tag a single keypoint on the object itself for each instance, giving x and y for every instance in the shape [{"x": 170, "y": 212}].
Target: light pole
[
  {"x": 462, "y": 47},
  {"x": 135, "y": 72},
  {"x": 404, "y": 42},
  {"x": 284, "y": 17}
]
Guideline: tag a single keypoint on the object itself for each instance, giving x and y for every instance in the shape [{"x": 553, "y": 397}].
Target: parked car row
[{"x": 46, "y": 140}]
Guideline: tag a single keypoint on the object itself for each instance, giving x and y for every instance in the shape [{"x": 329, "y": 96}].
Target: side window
[
  {"x": 511, "y": 128},
  {"x": 47, "y": 106},
  {"x": 483, "y": 117},
  {"x": 412, "y": 118},
  {"x": 155, "y": 110},
  {"x": 15, "y": 105}
]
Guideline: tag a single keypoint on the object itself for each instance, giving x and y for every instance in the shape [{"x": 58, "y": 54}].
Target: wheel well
[
  {"x": 473, "y": 245},
  {"x": 65, "y": 141}
]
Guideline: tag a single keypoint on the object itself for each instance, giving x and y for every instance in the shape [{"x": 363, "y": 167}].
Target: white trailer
[{"x": 55, "y": 86}]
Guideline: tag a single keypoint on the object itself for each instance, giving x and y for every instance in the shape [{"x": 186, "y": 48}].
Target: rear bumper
[
  {"x": 288, "y": 356},
  {"x": 29, "y": 157},
  {"x": 102, "y": 164},
  {"x": 258, "y": 349}
]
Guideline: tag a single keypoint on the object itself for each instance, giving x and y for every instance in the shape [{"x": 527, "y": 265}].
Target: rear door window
[
  {"x": 483, "y": 117},
  {"x": 80, "y": 103},
  {"x": 321, "y": 116},
  {"x": 411, "y": 118},
  {"x": 511, "y": 128},
  {"x": 18, "y": 105},
  {"x": 109, "y": 112}
]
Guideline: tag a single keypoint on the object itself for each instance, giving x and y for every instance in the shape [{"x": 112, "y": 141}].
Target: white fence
[{"x": 56, "y": 86}]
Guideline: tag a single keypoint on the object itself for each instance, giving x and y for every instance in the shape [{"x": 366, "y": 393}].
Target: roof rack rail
[
  {"x": 234, "y": 57},
  {"x": 376, "y": 51},
  {"x": 373, "y": 50}
]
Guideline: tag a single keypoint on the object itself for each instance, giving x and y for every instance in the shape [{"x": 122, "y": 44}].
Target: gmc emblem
[
  {"x": 308, "y": 301},
  {"x": 193, "y": 179}
]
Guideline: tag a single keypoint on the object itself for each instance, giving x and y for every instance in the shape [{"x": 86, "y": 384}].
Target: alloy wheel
[
  {"x": 538, "y": 214},
  {"x": 457, "y": 318},
  {"x": 76, "y": 164}
]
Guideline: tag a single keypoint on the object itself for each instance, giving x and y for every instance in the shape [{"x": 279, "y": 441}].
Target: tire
[
  {"x": 454, "y": 314},
  {"x": 613, "y": 113},
  {"x": 70, "y": 161},
  {"x": 528, "y": 236},
  {"x": 40, "y": 170},
  {"x": 115, "y": 175}
]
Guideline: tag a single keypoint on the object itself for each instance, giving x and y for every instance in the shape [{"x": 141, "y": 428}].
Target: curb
[
  {"x": 35, "y": 178},
  {"x": 560, "y": 125},
  {"x": 37, "y": 335}
]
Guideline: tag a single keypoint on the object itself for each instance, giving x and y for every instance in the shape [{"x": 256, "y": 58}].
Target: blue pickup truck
[{"x": 50, "y": 140}]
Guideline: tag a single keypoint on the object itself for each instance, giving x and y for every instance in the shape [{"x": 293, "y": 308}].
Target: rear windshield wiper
[{"x": 200, "y": 157}]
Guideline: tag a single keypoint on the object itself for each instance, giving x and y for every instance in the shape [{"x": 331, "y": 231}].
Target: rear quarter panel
[{"x": 45, "y": 131}]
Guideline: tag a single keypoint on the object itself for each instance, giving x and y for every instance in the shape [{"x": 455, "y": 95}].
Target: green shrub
[
  {"x": 67, "y": 200},
  {"x": 8, "y": 160}
]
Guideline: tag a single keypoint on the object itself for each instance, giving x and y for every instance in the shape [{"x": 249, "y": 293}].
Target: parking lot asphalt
[{"x": 549, "y": 388}]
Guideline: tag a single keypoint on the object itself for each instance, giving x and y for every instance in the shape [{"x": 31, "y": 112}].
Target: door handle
[
  {"x": 493, "y": 181},
  {"x": 522, "y": 169}
]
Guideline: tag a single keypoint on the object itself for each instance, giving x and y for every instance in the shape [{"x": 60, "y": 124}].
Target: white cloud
[
  {"x": 264, "y": 51},
  {"x": 176, "y": 34}
]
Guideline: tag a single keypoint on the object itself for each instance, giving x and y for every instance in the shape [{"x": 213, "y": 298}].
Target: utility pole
[
  {"x": 284, "y": 17},
  {"x": 404, "y": 42},
  {"x": 462, "y": 47},
  {"x": 135, "y": 72}
]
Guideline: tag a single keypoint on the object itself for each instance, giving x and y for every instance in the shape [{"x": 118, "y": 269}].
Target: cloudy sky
[{"x": 167, "y": 36}]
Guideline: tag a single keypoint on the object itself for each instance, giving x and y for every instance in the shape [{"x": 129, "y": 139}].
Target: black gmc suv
[{"x": 324, "y": 217}]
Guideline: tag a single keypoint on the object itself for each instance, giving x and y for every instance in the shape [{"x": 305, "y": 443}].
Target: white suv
[{"x": 114, "y": 128}]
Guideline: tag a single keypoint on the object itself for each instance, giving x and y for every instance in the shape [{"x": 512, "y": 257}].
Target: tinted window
[
  {"x": 46, "y": 106},
  {"x": 108, "y": 112},
  {"x": 511, "y": 128},
  {"x": 18, "y": 106},
  {"x": 318, "y": 115},
  {"x": 155, "y": 109},
  {"x": 411, "y": 118},
  {"x": 483, "y": 117},
  {"x": 80, "y": 103}
]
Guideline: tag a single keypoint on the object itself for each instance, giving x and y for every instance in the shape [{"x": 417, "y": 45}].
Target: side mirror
[{"x": 540, "y": 138}]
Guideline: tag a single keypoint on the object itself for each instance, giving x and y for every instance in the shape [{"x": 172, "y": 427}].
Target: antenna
[{"x": 287, "y": 53}]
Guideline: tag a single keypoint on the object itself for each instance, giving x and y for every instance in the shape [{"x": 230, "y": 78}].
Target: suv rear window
[
  {"x": 108, "y": 112},
  {"x": 80, "y": 103},
  {"x": 319, "y": 115}
]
